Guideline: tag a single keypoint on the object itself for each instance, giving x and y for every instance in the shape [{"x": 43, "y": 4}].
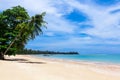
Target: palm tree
[
  {"x": 29, "y": 29},
  {"x": 35, "y": 25}
]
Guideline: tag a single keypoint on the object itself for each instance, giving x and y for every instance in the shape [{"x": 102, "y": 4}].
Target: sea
[{"x": 103, "y": 58}]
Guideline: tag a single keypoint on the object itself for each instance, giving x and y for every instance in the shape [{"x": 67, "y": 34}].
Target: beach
[{"x": 25, "y": 67}]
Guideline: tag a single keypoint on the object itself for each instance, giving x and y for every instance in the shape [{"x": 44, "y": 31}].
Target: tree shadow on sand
[{"x": 25, "y": 61}]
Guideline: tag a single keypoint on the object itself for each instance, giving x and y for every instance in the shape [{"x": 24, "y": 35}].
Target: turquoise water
[{"x": 106, "y": 58}]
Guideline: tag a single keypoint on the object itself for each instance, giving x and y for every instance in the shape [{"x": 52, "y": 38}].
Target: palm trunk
[
  {"x": 2, "y": 56},
  {"x": 11, "y": 44}
]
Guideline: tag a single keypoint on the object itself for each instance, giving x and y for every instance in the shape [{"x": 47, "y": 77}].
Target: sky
[{"x": 85, "y": 26}]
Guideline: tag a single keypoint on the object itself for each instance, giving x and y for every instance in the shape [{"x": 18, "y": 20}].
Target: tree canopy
[{"x": 17, "y": 28}]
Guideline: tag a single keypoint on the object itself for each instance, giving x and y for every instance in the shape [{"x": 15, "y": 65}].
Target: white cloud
[
  {"x": 49, "y": 34},
  {"x": 106, "y": 25}
]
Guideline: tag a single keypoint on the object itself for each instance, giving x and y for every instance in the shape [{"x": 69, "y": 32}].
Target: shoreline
[
  {"x": 76, "y": 61},
  {"x": 106, "y": 65},
  {"x": 100, "y": 61},
  {"x": 27, "y": 67}
]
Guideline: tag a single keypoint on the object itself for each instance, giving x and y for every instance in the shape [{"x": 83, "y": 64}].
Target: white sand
[{"x": 30, "y": 68}]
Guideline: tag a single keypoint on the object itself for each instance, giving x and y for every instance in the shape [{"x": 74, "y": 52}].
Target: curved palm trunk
[{"x": 11, "y": 44}]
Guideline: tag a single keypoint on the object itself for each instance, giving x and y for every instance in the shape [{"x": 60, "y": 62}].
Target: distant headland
[{"x": 30, "y": 51}]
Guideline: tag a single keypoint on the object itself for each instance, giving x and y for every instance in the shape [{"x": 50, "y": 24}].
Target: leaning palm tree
[{"x": 29, "y": 29}]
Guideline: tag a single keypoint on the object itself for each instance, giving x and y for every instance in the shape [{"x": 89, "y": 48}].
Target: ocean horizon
[{"x": 102, "y": 58}]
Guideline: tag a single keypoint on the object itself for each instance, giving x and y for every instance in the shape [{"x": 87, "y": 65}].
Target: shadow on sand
[{"x": 25, "y": 61}]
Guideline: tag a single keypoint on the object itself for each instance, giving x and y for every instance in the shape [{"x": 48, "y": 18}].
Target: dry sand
[{"x": 22, "y": 67}]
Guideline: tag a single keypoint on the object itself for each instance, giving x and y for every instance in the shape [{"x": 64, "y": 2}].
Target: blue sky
[{"x": 86, "y": 26}]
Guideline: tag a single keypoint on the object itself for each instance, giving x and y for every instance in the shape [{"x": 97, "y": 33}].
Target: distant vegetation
[{"x": 29, "y": 51}]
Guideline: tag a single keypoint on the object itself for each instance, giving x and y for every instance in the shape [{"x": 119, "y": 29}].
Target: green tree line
[{"x": 30, "y": 51}]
